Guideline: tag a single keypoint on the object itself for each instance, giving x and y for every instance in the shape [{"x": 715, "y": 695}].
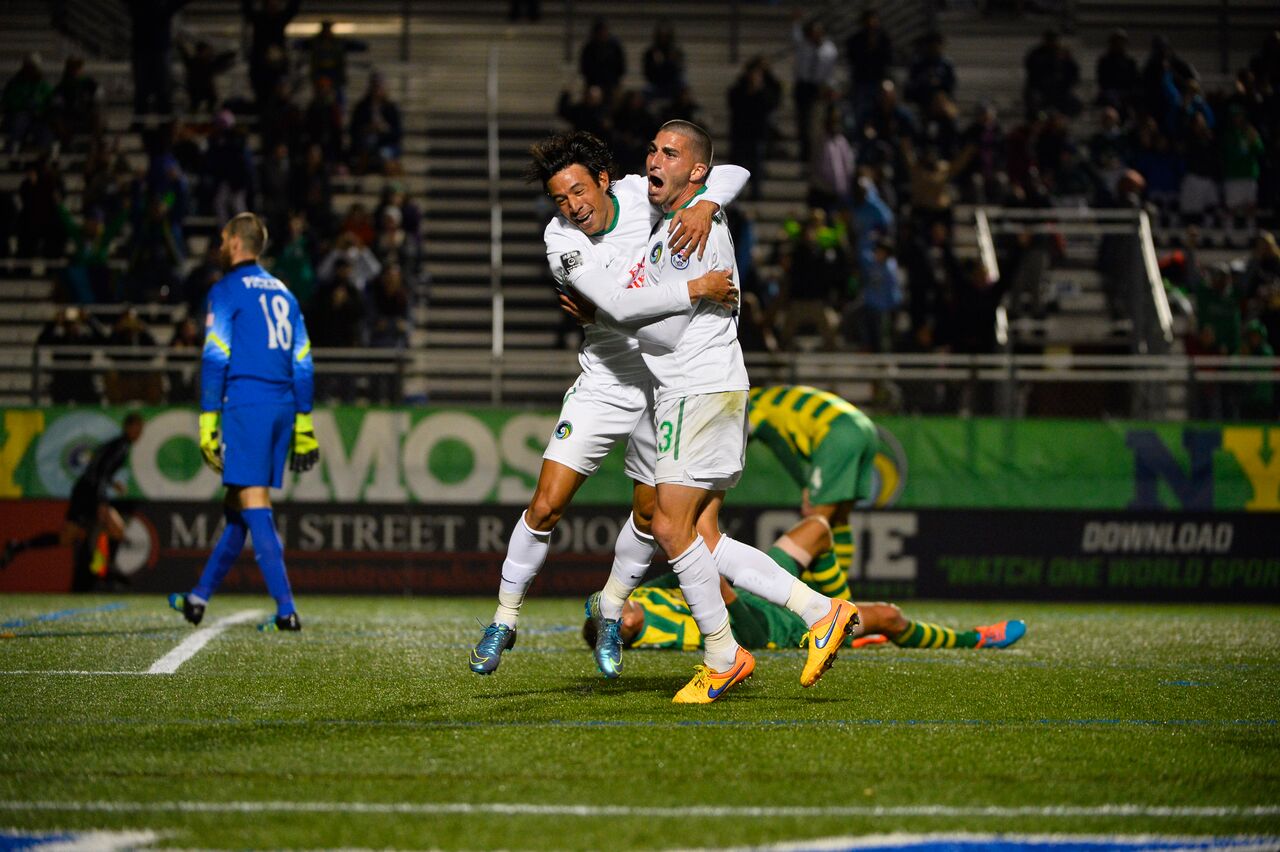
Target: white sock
[
  {"x": 807, "y": 603},
  {"x": 748, "y": 568},
  {"x": 632, "y": 553},
  {"x": 526, "y": 551},
  {"x": 700, "y": 583}
]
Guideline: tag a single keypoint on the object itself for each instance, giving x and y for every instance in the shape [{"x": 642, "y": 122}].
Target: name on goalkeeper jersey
[
  {"x": 255, "y": 282},
  {"x": 1156, "y": 537}
]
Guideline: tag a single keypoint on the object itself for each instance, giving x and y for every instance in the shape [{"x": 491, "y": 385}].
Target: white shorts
[
  {"x": 1199, "y": 194},
  {"x": 594, "y": 418},
  {"x": 702, "y": 439}
]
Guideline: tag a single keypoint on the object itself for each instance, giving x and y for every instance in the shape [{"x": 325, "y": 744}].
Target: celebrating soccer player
[
  {"x": 595, "y": 246},
  {"x": 256, "y": 385}
]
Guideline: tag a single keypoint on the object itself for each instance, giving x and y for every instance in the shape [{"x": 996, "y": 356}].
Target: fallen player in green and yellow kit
[{"x": 657, "y": 617}]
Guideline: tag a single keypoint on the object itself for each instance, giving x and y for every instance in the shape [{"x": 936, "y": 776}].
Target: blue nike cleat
[
  {"x": 190, "y": 610},
  {"x": 1001, "y": 635},
  {"x": 281, "y": 623},
  {"x": 608, "y": 647},
  {"x": 487, "y": 653}
]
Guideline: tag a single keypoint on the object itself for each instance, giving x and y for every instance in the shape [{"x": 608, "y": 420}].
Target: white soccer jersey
[
  {"x": 609, "y": 269},
  {"x": 695, "y": 351}
]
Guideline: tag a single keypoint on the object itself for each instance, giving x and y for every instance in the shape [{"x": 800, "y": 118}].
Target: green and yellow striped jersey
[{"x": 793, "y": 419}]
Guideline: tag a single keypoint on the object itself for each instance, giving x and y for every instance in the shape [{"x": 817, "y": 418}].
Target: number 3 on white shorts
[{"x": 664, "y": 433}]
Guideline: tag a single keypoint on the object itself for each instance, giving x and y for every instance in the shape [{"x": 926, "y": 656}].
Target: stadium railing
[{"x": 1003, "y": 384}]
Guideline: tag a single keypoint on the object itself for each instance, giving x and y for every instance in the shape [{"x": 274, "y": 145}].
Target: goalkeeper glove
[
  {"x": 210, "y": 444},
  {"x": 306, "y": 451}
]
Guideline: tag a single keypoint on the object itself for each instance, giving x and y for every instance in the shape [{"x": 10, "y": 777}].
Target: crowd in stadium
[{"x": 887, "y": 155}]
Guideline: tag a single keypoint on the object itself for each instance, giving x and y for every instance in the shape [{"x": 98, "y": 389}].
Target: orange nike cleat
[
  {"x": 825, "y": 639},
  {"x": 708, "y": 685}
]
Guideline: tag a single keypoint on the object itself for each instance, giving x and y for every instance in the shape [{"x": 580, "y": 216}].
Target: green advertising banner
[{"x": 492, "y": 456}]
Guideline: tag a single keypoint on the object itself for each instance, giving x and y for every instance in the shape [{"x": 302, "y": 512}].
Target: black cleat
[
  {"x": 281, "y": 622},
  {"x": 190, "y": 610}
]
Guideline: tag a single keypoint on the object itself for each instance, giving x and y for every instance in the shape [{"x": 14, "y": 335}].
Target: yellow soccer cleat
[
  {"x": 707, "y": 685},
  {"x": 825, "y": 639}
]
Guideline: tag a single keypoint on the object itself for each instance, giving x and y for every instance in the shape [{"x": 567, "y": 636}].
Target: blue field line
[
  {"x": 61, "y": 614},
  {"x": 452, "y": 724}
]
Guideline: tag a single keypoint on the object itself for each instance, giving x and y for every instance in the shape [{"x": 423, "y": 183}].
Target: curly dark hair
[{"x": 556, "y": 153}]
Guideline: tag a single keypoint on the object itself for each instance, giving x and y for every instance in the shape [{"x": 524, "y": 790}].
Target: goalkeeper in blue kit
[{"x": 256, "y": 383}]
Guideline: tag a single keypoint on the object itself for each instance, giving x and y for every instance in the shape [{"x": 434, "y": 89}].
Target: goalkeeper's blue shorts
[{"x": 256, "y": 441}]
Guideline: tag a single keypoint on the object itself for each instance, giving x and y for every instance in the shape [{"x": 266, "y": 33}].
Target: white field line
[
  {"x": 189, "y": 647},
  {"x": 66, "y": 672},
  {"x": 968, "y": 840},
  {"x": 683, "y": 812}
]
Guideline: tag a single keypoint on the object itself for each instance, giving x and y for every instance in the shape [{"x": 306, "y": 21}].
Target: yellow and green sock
[
  {"x": 827, "y": 576},
  {"x": 922, "y": 634}
]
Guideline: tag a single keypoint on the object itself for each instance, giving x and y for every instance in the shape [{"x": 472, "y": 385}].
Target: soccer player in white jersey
[
  {"x": 700, "y": 414},
  {"x": 594, "y": 246}
]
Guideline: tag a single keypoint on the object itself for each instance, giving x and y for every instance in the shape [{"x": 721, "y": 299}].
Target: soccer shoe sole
[{"x": 823, "y": 651}]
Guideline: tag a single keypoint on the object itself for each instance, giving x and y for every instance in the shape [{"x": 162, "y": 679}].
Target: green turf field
[{"x": 367, "y": 730}]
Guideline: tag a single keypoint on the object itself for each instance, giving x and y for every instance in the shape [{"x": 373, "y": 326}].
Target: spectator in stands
[
  {"x": 337, "y": 321},
  {"x": 633, "y": 128},
  {"x": 1109, "y": 149},
  {"x": 273, "y": 188},
  {"x": 603, "y": 62},
  {"x": 392, "y": 246},
  {"x": 131, "y": 385},
  {"x": 182, "y": 373},
  {"x": 202, "y": 65},
  {"x": 930, "y": 181},
  {"x": 285, "y": 121},
  {"x": 327, "y": 57},
  {"x": 939, "y": 128},
  {"x": 1164, "y": 71},
  {"x": 154, "y": 256},
  {"x": 1154, "y": 159},
  {"x": 228, "y": 168},
  {"x": 1187, "y": 102},
  {"x": 815, "y": 281},
  {"x": 376, "y": 131},
  {"x": 815, "y": 65},
  {"x": 932, "y": 269},
  {"x": 1051, "y": 77},
  {"x": 390, "y": 305},
  {"x": 872, "y": 218},
  {"x": 1242, "y": 151},
  {"x": 268, "y": 51},
  {"x": 151, "y": 26},
  {"x": 359, "y": 224},
  {"x": 87, "y": 276},
  {"x": 973, "y": 324},
  {"x": 1258, "y": 399},
  {"x": 831, "y": 171},
  {"x": 870, "y": 53},
  {"x": 664, "y": 64},
  {"x": 351, "y": 262},
  {"x": 753, "y": 99},
  {"x": 931, "y": 72},
  {"x": 1217, "y": 307},
  {"x": 323, "y": 120},
  {"x": 25, "y": 104},
  {"x": 1262, "y": 269},
  {"x": 1203, "y": 159},
  {"x": 69, "y": 328},
  {"x": 984, "y": 144},
  {"x": 200, "y": 280},
  {"x": 393, "y": 195},
  {"x": 39, "y": 231},
  {"x": 73, "y": 106},
  {"x": 682, "y": 107},
  {"x": 107, "y": 179},
  {"x": 312, "y": 191},
  {"x": 880, "y": 128},
  {"x": 293, "y": 264},
  {"x": 8, "y": 223},
  {"x": 590, "y": 114},
  {"x": 882, "y": 296},
  {"x": 1119, "y": 82}
]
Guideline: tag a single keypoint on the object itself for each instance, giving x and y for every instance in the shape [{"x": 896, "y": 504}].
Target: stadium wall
[{"x": 421, "y": 500}]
